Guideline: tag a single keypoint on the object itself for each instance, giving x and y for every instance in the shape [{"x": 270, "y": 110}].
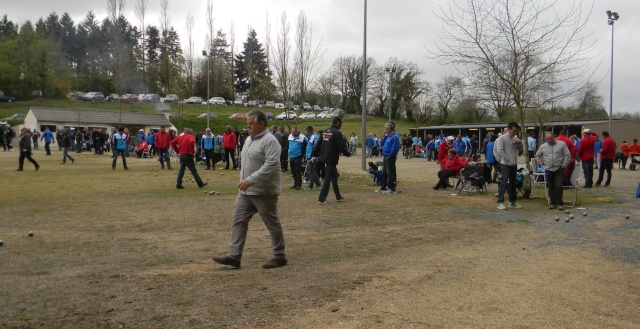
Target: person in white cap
[
  {"x": 443, "y": 150},
  {"x": 586, "y": 155}
]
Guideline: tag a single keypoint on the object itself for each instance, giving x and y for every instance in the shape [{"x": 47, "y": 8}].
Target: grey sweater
[
  {"x": 261, "y": 164},
  {"x": 553, "y": 157},
  {"x": 506, "y": 150}
]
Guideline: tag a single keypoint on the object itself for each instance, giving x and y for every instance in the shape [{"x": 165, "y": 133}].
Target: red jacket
[
  {"x": 624, "y": 148},
  {"x": 443, "y": 152},
  {"x": 454, "y": 164},
  {"x": 184, "y": 144},
  {"x": 585, "y": 148},
  {"x": 634, "y": 148},
  {"x": 570, "y": 145},
  {"x": 229, "y": 140},
  {"x": 162, "y": 140},
  {"x": 608, "y": 150}
]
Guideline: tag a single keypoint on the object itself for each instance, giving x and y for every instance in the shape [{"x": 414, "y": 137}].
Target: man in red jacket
[
  {"x": 162, "y": 142},
  {"x": 229, "y": 141},
  {"x": 607, "y": 152},
  {"x": 443, "y": 150},
  {"x": 185, "y": 146},
  {"x": 450, "y": 168},
  {"x": 564, "y": 137},
  {"x": 586, "y": 155}
]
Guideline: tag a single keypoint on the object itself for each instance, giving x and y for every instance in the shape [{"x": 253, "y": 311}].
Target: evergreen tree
[{"x": 251, "y": 69}]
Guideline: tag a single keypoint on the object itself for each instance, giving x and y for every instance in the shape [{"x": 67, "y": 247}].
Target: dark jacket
[
  {"x": 25, "y": 142},
  {"x": 330, "y": 145},
  {"x": 66, "y": 140}
]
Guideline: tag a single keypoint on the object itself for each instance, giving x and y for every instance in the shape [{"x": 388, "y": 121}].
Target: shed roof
[{"x": 54, "y": 114}]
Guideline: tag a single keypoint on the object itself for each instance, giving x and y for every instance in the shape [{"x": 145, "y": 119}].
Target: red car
[
  {"x": 237, "y": 116},
  {"x": 129, "y": 98}
]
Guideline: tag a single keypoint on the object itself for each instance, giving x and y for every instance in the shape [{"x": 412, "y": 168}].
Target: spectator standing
[
  {"x": 473, "y": 141},
  {"x": 59, "y": 139},
  {"x": 443, "y": 150},
  {"x": 450, "y": 168},
  {"x": 460, "y": 146},
  {"x": 586, "y": 156},
  {"x": 151, "y": 140},
  {"x": 369, "y": 144},
  {"x": 126, "y": 151},
  {"x": 25, "y": 149},
  {"x": 9, "y": 135},
  {"x": 229, "y": 143},
  {"x": 47, "y": 135},
  {"x": 532, "y": 145},
  {"x": 491, "y": 159},
  {"x": 625, "y": 150},
  {"x": 596, "y": 149},
  {"x": 79, "y": 141},
  {"x": 431, "y": 149},
  {"x": 507, "y": 149},
  {"x": 554, "y": 157},
  {"x": 3, "y": 139},
  {"x": 330, "y": 145},
  {"x": 312, "y": 166},
  {"x": 259, "y": 188},
  {"x": 34, "y": 136},
  {"x": 66, "y": 144},
  {"x": 353, "y": 143},
  {"x": 185, "y": 146},
  {"x": 284, "y": 142},
  {"x": 297, "y": 142},
  {"x": 141, "y": 137},
  {"x": 607, "y": 152},
  {"x": 119, "y": 139},
  {"x": 207, "y": 145},
  {"x": 162, "y": 141},
  {"x": 390, "y": 149},
  {"x": 563, "y": 137}
]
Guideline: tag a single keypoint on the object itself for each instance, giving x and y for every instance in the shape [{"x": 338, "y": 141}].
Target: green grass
[{"x": 352, "y": 123}]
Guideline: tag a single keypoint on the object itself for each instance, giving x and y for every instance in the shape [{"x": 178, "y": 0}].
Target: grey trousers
[{"x": 245, "y": 207}]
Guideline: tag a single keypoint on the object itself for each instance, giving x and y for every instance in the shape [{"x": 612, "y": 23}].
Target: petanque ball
[
  {"x": 155, "y": 175},
  {"x": 567, "y": 212},
  {"x": 584, "y": 214},
  {"x": 566, "y": 220},
  {"x": 210, "y": 193},
  {"x": 571, "y": 216},
  {"x": 626, "y": 217},
  {"x": 1, "y": 243},
  {"x": 557, "y": 219},
  {"x": 30, "y": 233},
  {"x": 218, "y": 193}
]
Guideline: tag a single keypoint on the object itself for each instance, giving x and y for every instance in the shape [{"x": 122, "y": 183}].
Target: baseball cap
[
  {"x": 451, "y": 138},
  {"x": 586, "y": 131}
]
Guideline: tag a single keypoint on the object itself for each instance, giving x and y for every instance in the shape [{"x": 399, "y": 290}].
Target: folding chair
[
  {"x": 472, "y": 178},
  {"x": 635, "y": 162},
  {"x": 574, "y": 180},
  {"x": 146, "y": 153},
  {"x": 538, "y": 178},
  {"x": 457, "y": 178}
]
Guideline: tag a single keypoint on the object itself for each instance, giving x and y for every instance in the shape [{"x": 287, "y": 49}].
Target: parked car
[
  {"x": 140, "y": 97},
  {"x": 204, "y": 115},
  {"x": 238, "y": 102},
  {"x": 112, "y": 97},
  {"x": 151, "y": 98},
  {"x": 307, "y": 116},
  {"x": 324, "y": 115},
  {"x": 171, "y": 98},
  {"x": 237, "y": 116},
  {"x": 129, "y": 98},
  {"x": 252, "y": 103},
  {"x": 337, "y": 113},
  {"x": 306, "y": 106},
  {"x": 194, "y": 100},
  {"x": 317, "y": 108},
  {"x": 228, "y": 102},
  {"x": 217, "y": 101},
  {"x": 17, "y": 116},
  {"x": 271, "y": 104},
  {"x": 279, "y": 105},
  {"x": 93, "y": 96},
  {"x": 283, "y": 115},
  {"x": 296, "y": 108},
  {"x": 176, "y": 116},
  {"x": 6, "y": 99},
  {"x": 269, "y": 115}
]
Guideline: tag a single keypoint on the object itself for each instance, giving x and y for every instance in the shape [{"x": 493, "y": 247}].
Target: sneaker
[
  {"x": 515, "y": 205},
  {"x": 560, "y": 207},
  {"x": 501, "y": 206},
  {"x": 597, "y": 184},
  {"x": 380, "y": 190},
  {"x": 273, "y": 263},
  {"x": 389, "y": 192},
  {"x": 226, "y": 260},
  {"x": 322, "y": 202},
  {"x": 552, "y": 206},
  {"x": 179, "y": 187},
  {"x": 341, "y": 199}
]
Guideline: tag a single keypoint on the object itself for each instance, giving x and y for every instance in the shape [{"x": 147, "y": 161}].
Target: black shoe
[
  {"x": 293, "y": 187},
  {"x": 273, "y": 263},
  {"x": 226, "y": 260},
  {"x": 203, "y": 184},
  {"x": 436, "y": 188},
  {"x": 179, "y": 187},
  {"x": 597, "y": 184}
]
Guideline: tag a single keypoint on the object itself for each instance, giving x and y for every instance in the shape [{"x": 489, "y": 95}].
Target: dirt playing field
[{"x": 116, "y": 249}]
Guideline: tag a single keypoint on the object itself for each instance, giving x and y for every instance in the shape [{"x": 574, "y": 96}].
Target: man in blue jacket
[
  {"x": 390, "y": 148},
  {"x": 47, "y": 135}
]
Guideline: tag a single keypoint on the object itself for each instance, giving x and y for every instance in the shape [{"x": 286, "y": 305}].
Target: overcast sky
[{"x": 402, "y": 28}]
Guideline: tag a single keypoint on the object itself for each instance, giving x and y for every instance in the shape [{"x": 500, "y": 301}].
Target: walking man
[
  {"x": 66, "y": 144},
  {"x": 607, "y": 152},
  {"x": 25, "y": 149},
  {"x": 312, "y": 166},
  {"x": 47, "y": 135},
  {"x": 390, "y": 149},
  {"x": 507, "y": 151},
  {"x": 119, "y": 139},
  {"x": 185, "y": 146},
  {"x": 329, "y": 148},
  {"x": 260, "y": 184},
  {"x": 554, "y": 157},
  {"x": 162, "y": 140},
  {"x": 229, "y": 141}
]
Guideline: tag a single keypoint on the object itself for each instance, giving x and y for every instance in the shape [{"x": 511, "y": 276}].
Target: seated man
[
  {"x": 141, "y": 148},
  {"x": 450, "y": 168}
]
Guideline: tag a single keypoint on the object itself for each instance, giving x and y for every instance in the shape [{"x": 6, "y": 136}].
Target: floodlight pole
[
  {"x": 613, "y": 17},
  {"x": 364, "y": 92},
  {"x": 204, "y": 53}
]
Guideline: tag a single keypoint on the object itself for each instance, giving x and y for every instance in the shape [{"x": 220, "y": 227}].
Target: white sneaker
[{"x": 381, "y": 190}]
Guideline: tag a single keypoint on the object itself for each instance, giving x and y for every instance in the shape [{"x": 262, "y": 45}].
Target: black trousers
[
  {"x": 232, "y": 153},
  {"x": 164, "y": 153},
  {"x": 186, "y": 161},
  {"x": 444, "y": 177},
  {"x": 389, "y": 173},
  {"x": 26, "y": 155},
  {"x": 554, "y": 185},
  {"x": 296, "y": 170}
]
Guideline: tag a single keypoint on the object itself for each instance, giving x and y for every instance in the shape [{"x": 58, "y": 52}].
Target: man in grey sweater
[
  {"x": 554, "y": 157},
  {"x": 260, "y": 180},
  {"x": 506, "y": 149}
]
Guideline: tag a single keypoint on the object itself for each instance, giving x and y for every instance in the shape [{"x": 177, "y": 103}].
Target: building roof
[
  {"x": 528, "y": 124},
  {"x": 53, "y": 114}
]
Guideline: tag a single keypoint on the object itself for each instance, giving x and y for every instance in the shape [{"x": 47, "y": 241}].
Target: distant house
[{"x": 40, "y": 118}]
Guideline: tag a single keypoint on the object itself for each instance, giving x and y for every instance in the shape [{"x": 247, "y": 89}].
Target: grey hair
[
  {"x": 259, "y": 115},
  {"x": 390, "y": 126}
]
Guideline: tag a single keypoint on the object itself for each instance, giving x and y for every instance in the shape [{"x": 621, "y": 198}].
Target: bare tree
[
  {"x": 308, "y": 56},
  {"x": 281, "y": 55},
  {"x": 448, "y": 92},
  {"x": 189, "y": 24},
  {"x": 535, "y": 48},
  {"x": 165, "y": 20},
  {"x": 141, "y": 10},
  {"x": 232, "y": 50}
]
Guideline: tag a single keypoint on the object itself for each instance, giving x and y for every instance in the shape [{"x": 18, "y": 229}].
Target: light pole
[
  {"x": 364, "y": 91},
  {"x": 391, "y": 71},
  {"x": 613, "y": 17},
  {"x": 204, "y": 53}
]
